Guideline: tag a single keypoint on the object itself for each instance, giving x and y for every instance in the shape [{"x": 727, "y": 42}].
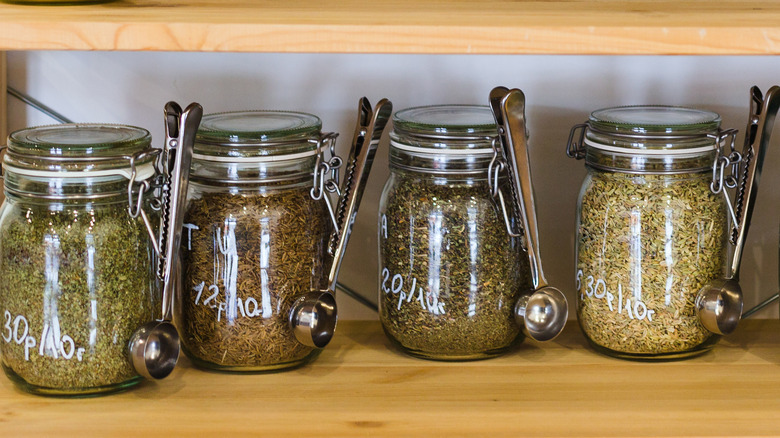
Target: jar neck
[
  {"x": 43, "y": 190},
  {"x": 279, "y": 173},
  {"x": 651, "y": 153},
  {"x": 648, "y": 164},
  {"x": 470, "y": 157}
]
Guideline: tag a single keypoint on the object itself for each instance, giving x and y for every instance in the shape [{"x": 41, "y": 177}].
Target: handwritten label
[
  {"x": 596, "y": 289},
  {"x": 384, "y": 227},
  {"x": 16, "y": 330},
  {"x": 210, "y": 297},
  {"x": 222, "y": 292},
  {"x": 428, "y": 301}
]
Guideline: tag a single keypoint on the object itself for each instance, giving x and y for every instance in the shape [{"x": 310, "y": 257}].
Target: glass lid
[
  {"x": 446, "y": 119},
  {"x": 256, "y": 133},
  {"x": 444, "y": 129},
  {"x": 79, "y": 140},
  {"x": 76, "y": 150},
  {"x": 653, "y": 130},
  {"x": 654, "y": 119}
]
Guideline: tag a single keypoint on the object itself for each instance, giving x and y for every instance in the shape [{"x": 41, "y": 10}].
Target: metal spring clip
[
  {"x": 326, "y": 174},
  {"x": 721, "y": 179}
]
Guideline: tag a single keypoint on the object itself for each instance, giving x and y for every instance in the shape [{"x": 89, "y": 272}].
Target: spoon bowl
[
  {"x": 154, "y": 349},
  {"x": 313, "y": 319},
  {"x": 719, "y": 305},
  {"x": 542, "y": 314}
]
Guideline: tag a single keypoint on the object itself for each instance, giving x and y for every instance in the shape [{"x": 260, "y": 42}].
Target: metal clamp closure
[
  {"x": 135, "y": 208},
  {"x": 323, "y": 182},
  {"x": 726, "y": 157},
  {"x": 2, "y": 170},
  {"x": 576, "y": 149},
  {"x": 497, "y": 166}
]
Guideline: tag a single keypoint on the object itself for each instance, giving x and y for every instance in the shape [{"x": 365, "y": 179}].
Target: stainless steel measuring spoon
[
  {"x": 719, "y": 303},
  {"x": 313, "y": 317},
  {"x": 154, "y": 347},
  {"x": 542, "y": 312}
]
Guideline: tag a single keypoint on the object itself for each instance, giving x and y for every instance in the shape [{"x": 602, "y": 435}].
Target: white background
[{"x": 132, "y": 88}]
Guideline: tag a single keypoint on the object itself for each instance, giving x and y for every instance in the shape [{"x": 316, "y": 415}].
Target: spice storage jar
[
  {"x": 450, "y": 271},
  {"x": 653, "y": 229},
  {"x": 76, "y": 268},
  {"x": 262, "y": 243}
]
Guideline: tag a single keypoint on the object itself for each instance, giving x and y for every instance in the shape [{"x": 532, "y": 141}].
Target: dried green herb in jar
[
  {"x": 450, "y": 273},
  {"x": 75, "y": 284},
  {"x": 647, "y": 244},
  {"x": 246, "y": 258}
]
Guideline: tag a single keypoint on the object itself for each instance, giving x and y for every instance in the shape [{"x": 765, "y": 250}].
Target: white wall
[{"x": 561, "y": 90}]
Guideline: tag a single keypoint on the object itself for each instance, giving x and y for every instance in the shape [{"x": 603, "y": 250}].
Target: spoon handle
[
  {"x": 509, "y": 111},
  {"x": 180, "y": 129},
  {"x": 758, "y": 133},
  {"x": 368, "y": 131}
]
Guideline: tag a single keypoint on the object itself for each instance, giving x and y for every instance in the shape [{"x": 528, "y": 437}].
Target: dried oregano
[
  {"x": 260, "y": 251},
  {"x": 647, "y": 244},
  {"x": 75, "y": 284},
  {"x": 449, "y": 272}
]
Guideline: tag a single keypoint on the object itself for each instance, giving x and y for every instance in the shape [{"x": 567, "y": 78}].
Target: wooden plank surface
[
  {"x": 3, "y": 98},
  {"x": 360, "y": 386},
  {"x": 401, "y": 26}
]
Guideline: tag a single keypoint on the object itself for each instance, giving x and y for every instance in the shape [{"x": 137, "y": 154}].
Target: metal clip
[
  {"x": 577, "y": 149},
  {"x": 721, "y": 179},
  {"x": 2, "y": 172},
  {"x": 135, "y": 208},
  {"x": 322, "y": 183},
  {"x": 498, "y": 165}
]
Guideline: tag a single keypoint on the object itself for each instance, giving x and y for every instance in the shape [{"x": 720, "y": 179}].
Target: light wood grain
[
  {"x": 3, "y": 98},
  {"x": 401, "y": 26},
  {"x": 360, "y": 387}
]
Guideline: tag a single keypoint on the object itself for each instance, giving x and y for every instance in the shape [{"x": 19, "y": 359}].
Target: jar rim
[
  {"x": 252, "y": 135},
  {"x": 654, "y": 119},
  {"x": 79, "y": 140},
  {"x": 81, "y": 150},
  {"x": 450, "y": 121}
]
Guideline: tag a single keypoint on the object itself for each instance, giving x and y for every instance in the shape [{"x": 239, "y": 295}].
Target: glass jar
[
  {"x": 650, "y": 231},
  {"x": 255, "y": 239},
  {"x": 76, "y": 269},
  {"x": 450, "y": 274}
]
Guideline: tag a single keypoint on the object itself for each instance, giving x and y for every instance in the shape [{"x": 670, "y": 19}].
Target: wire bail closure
[
  {"x": 721, "y": 179},
  {"x": 497, "y": 166},
  {"x": 135, "y": 208},
  {"x": 322, "y": 182}
]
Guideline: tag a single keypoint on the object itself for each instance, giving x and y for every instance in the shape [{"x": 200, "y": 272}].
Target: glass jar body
[
  {"x": 249, "y": 252},
  {"x": 646, "y": 244},
  {"x": 449, "y": 272},
  {"x": 77, "y": 280}
]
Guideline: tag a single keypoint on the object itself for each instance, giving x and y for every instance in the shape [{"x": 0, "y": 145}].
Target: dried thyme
[
  {"x": 646, "y": 245},
  {"x": 258, "y": 252},
  {"x": 449, "y": 272},
  {"x": 75, "y": 284}
]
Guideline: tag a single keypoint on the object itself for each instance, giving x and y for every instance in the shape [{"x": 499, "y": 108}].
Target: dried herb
[
  {"x": 75, "y": 284},
  {"x": 260, "y": 251},
  {"x": 647, "y": 244},
  {"x": 449, "y": 272}
]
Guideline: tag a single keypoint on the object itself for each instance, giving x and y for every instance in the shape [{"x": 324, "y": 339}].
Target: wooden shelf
[
  {"x": 401, "y": 26},
  {"x": 360, "y": 387}
]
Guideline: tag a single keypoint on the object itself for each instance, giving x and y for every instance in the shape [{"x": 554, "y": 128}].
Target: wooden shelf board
[
  {"x": 401, "y": 26},
  {"x": 360, "y": 386}
]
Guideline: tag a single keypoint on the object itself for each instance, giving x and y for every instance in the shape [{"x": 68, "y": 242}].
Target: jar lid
[
  {"x": 653, "y": 130},
  {"x": 80, "y": 140},
  {"x": 249, "y": 135},
  {"x": 80, "y": 150},
  {"x": 445, "y": 129}
]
